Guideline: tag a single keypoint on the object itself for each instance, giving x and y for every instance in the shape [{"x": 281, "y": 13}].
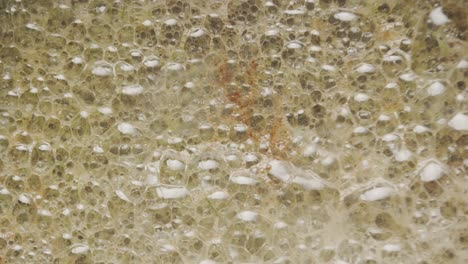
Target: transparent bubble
[{"x": 232, "y": 132}]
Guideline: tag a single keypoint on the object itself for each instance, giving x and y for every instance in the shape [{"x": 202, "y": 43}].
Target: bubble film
[{"x": 234, "y": 131}]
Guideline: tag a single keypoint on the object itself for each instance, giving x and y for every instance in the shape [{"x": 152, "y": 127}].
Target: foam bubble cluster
[{"x": 240, "y": 131}]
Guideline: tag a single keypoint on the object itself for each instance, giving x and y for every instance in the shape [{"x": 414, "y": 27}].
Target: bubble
[{"x": 174, "y": 131}]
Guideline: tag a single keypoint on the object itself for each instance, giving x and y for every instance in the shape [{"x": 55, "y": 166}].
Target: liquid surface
[{"x": 240, "y": 131}]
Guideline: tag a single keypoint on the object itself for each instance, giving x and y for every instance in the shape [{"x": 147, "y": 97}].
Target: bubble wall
[{"x": 233, "y": 131}]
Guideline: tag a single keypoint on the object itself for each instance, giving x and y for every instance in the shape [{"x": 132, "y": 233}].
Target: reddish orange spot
[
  {"x": 235, "y": 97},
  {"x": 225, "y": 74},
  {"x": 252, "y": 73},
  {"x": 386, "y": 35},
  {"x": 245, "y": 101}
]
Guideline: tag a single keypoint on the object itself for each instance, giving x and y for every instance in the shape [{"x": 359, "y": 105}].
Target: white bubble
[
  {"x": 126, "y": 128},
  {"x": 377, "y": 194},
  {"x": 79, "y": 249},
  {"x": 134, "y": 89},
  {"x": 172, "y": 193},
  {"x": 438, "y": 17},
  {"x": 459, "y": 122},
  {"x": 247, "y": 216}
]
